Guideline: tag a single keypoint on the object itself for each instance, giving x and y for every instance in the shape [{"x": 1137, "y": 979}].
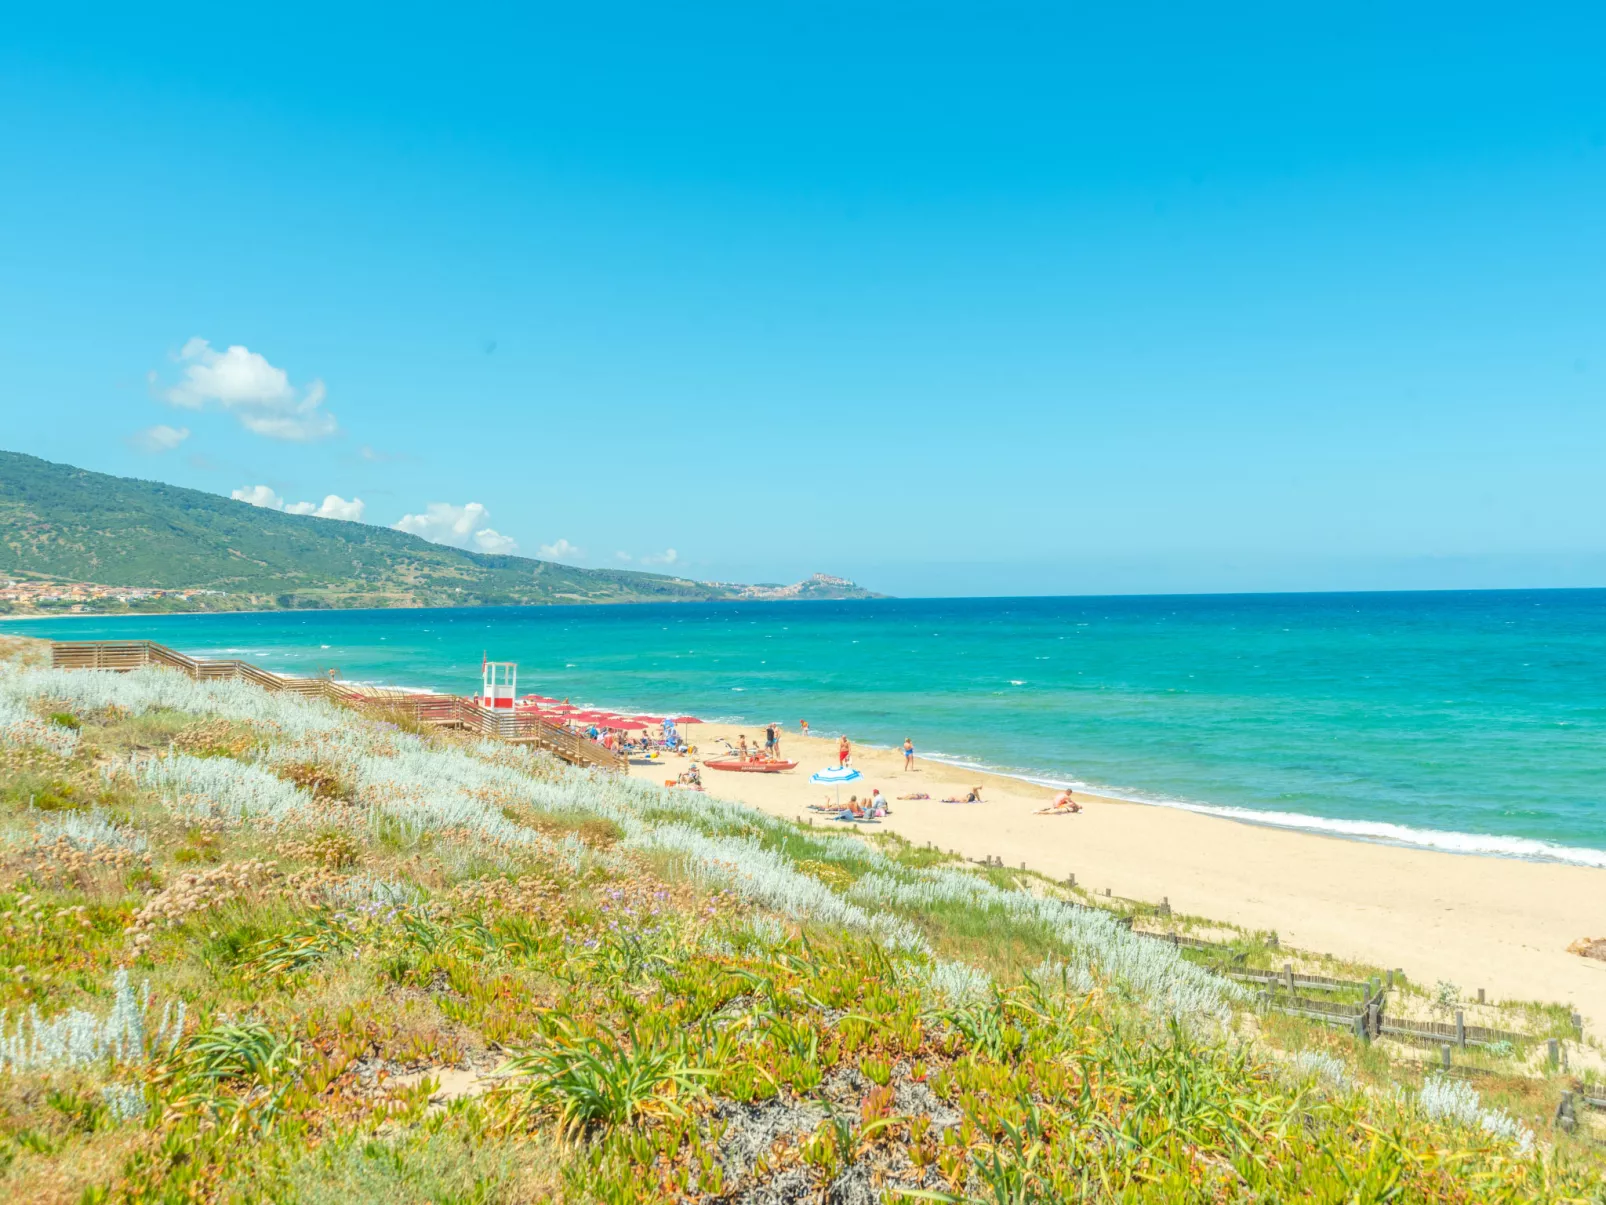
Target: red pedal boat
[{"x": 749, "y": 767}]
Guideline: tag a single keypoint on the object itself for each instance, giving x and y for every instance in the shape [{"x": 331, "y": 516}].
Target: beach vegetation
[{"x": 289, "y": 954}]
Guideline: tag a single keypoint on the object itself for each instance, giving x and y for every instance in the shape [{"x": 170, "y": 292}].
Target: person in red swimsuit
[{"x": 842, "y": 752}]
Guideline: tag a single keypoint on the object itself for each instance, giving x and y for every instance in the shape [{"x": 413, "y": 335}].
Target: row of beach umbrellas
[{"x": 561, "y": 712}]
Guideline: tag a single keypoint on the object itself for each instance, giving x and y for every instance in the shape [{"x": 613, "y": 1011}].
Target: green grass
[{"x": 627, "y": 1024}]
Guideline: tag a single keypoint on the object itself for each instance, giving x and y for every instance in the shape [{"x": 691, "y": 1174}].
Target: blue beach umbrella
[{"x": 835, "y": 776}]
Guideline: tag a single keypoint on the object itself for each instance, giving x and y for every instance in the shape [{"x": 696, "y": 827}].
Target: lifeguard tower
[{"x": 501, "y": 682}]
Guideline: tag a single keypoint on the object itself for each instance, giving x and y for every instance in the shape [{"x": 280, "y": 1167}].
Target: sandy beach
[{"x": 1496, "y": 923}]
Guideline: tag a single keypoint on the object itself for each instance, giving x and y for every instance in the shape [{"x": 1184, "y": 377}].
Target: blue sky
[{"x": 952, "y": 299}]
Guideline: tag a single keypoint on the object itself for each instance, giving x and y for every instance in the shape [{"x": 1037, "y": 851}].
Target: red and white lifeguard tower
[{"x": 500, "y": 685}]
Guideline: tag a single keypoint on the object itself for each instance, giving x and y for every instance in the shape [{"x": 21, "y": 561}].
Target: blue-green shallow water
[{"x": 1471, "y": 721}]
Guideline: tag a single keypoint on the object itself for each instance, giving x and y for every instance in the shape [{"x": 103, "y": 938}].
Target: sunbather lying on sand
[
  {"x": 916, "y": 795},
  {"x": 972, "y": 796},
  {"x": 1063, "y": 805}
]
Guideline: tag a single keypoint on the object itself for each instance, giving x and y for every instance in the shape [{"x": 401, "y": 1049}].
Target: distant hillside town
[{"x": 80, "y": 597}]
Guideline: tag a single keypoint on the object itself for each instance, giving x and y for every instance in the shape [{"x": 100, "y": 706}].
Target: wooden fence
[
  {"x": 1282, "y": 992},
  {"x": 1442, "y": 1033},
  {"x": 446, "y": 711}
]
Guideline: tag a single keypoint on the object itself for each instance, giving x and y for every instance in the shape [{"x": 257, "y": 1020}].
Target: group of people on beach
[
  {"x": 666, "y": 740},
  {"x": 772, "y": 745},
  {"x": 872, "y": 809},
  {"x": 876, "y": 807}
]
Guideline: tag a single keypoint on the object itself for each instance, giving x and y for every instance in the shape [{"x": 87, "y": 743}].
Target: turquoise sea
[{"x": 1470, "y": 721}]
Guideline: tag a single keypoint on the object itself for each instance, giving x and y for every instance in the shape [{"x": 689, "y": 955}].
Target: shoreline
[
  {"x": 1368, "y": 832},
  {"x": 1501, "y": 923},
  {"x": 1498, "y": 922},
  {"x": 1504, "y": 846}
]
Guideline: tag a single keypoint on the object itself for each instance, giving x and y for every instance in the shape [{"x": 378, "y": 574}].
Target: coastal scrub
[{"x": 295, "y": 955}]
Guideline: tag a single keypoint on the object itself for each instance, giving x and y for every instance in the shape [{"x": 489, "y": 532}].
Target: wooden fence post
[
  {"x": 1288, "y": 976},
  {"x": 1480, "y": 995},
  {"x": 1444, "y": 1056},
  {"x": 1391, "y": 979},
  {"x": 1554, "y": 1052},
  {"x": 1460, "y": 1029},
  {"x": 1565, "y": 1116}
]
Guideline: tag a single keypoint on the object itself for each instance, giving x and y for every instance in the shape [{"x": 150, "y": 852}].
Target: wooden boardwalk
[{"x": 443, "y": 711}]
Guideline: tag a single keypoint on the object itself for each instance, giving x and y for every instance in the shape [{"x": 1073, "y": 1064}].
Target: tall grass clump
[
  {"x": 20, "y": 727},
  {"x": 202, "y": 788},
  {"x": 1457, "y": 1102},
  {"x": 1152, "y": 974},
  {"x": 90, "y": 831},
  {"x": 152, "y": 689},
  {"x": 80, "y": 1038},
  {"x": 768, "y": 877}
]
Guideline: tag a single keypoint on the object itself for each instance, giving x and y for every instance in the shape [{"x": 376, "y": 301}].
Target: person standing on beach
[
  {"x": 775, "y": 740},
  {"x": 842, "y": 752},
  {"x": 805, "y": 726},
  {"x": 908, "y": 753},
  {"x": 769, "y": 741}
]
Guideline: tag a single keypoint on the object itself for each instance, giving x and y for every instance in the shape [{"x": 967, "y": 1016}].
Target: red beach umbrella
[
  {"x": 630, "y": 725},
  {"x": 687, "y": 719}
]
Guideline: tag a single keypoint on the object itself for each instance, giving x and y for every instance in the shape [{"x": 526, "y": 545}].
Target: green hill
[{"x": 66, "y": 524}]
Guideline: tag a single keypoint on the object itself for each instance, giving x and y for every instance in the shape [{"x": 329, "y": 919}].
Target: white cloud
[
  {"x": 495, "y": 542},
  {"x": 561, "y": 550},
  {"x": 466, "y": 527},
  {"x": 332, "y": 507},
  {"x": 160, "y": 438},
  {"x": 242, "y": 382},
  {"x": 336, "y": 507},
  {"x": 667, "y": 557},
  {"x": 624, "y": 556},
  {"x": 259, "y": 495}
]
